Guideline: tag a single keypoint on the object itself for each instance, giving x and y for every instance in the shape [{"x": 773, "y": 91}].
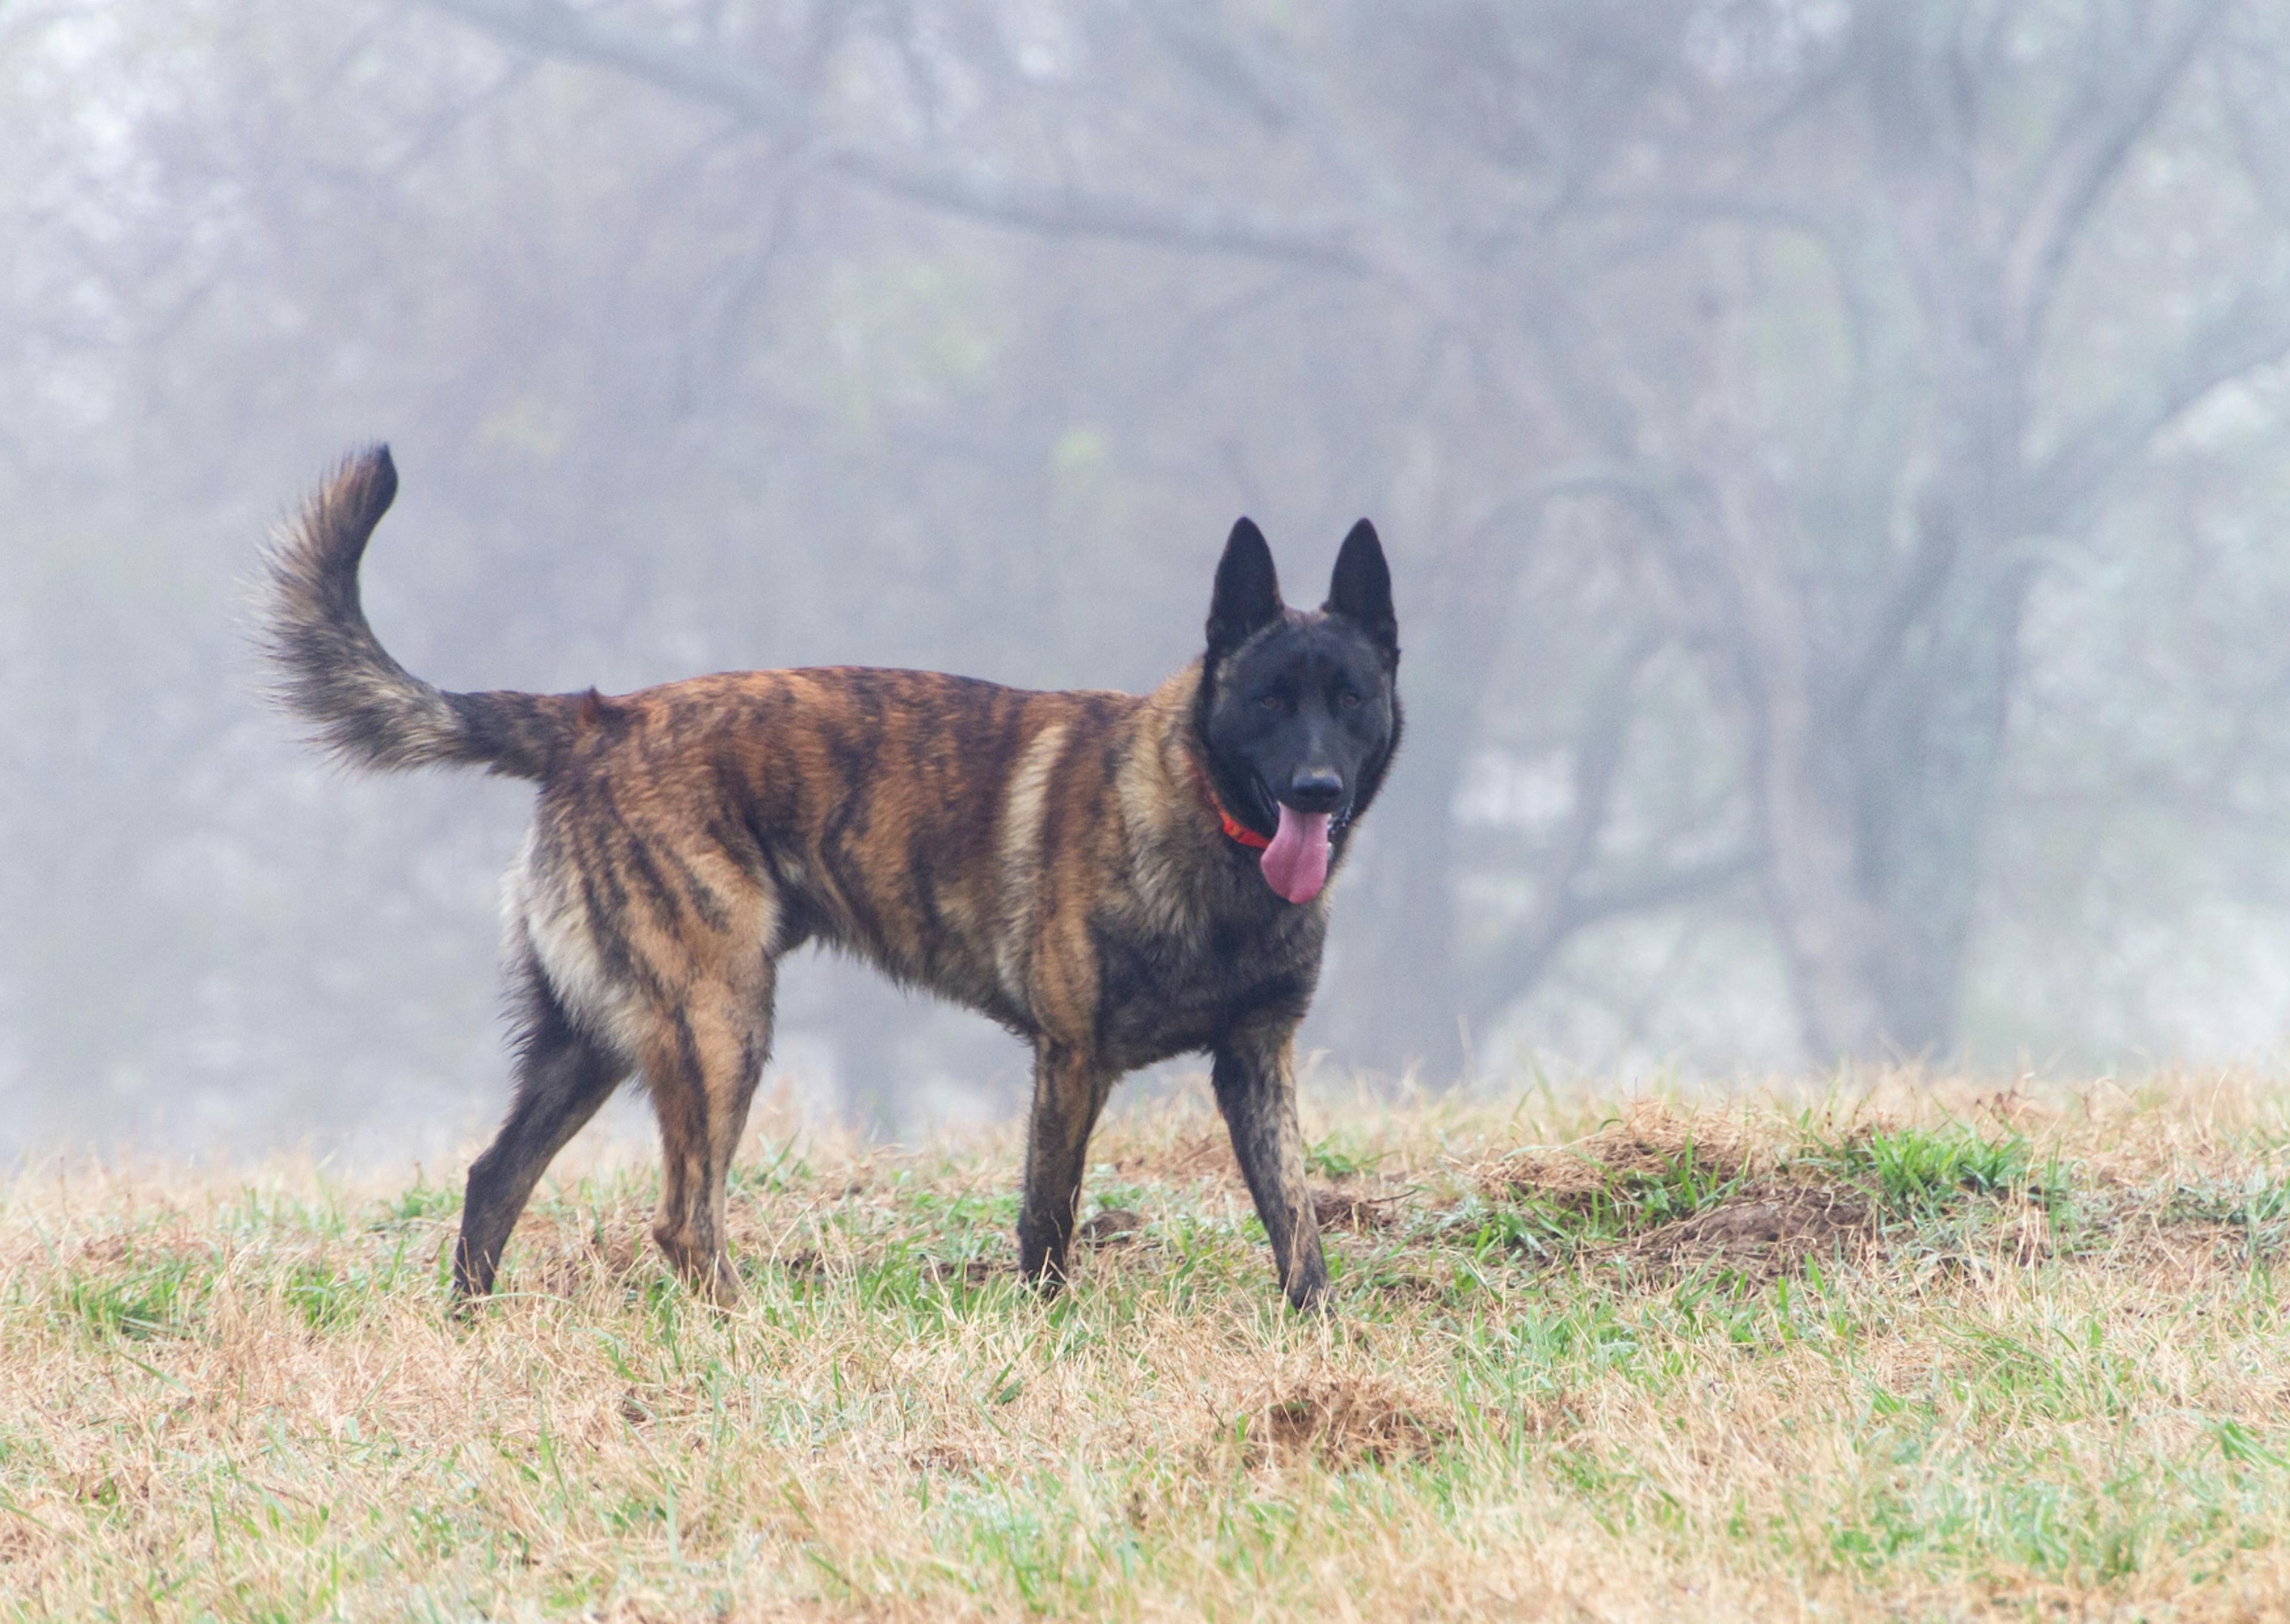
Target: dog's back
[{"x": 933, "y": 825}]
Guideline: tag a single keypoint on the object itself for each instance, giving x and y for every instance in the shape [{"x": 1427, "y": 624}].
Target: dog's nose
[{"x": 1316, "y": 789}]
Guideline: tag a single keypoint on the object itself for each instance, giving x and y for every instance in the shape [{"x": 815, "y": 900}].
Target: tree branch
[
  {"x": 1568, "y": 905},
  {"x": 752, "y": 96},
  {"x": 1524, "y": 956},
  {"x": 2252, "y": 332},
  {"x": 2087, "y": 153}
]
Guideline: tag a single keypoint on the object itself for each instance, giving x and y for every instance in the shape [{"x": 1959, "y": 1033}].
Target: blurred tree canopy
[{"x": 1831, "y": 455}]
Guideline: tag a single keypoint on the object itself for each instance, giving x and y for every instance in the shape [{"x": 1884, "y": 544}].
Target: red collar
[{"x": 1234, "y": 828}]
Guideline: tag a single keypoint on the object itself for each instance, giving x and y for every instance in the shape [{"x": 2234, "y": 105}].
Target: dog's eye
[
  {"x": 1273, "y": 701},
  {"x": 1349, "y": 700}
]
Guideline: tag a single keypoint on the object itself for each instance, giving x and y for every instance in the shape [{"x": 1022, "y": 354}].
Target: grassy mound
[{"x": 1915, "y": 1352}]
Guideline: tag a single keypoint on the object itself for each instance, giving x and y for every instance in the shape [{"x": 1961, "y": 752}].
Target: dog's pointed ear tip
[
  {"x": 1362, "y": 547},
  {"x": 1245, "y": 533}
]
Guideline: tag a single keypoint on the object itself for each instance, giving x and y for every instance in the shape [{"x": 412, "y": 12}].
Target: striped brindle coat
[{"x": 1116, "y": 878}]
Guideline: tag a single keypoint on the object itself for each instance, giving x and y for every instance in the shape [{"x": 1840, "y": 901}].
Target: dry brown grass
[{"x": 1916, "y": 1351}]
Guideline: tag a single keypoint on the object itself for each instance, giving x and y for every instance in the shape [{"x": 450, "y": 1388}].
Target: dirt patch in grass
[
  {"x": 1651, "y": 1145},
  {"x": 1679, "y": 1193},
  {"x": 1342, "y": 1210},
  {"x": 944, "y": 1457},
  {"x": 1764, "y": 1233},
  {"x": 1114, "y": 1226},
  {"x": 1342, "y": 1421}
]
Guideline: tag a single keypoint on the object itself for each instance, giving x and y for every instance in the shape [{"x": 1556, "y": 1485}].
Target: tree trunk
[
  {"x": 1926, "y": 768},
  {"x": 1876, "y": 824},
  {"x": 1827, "y": 928},
  {"x": 1883, "y": 771}
]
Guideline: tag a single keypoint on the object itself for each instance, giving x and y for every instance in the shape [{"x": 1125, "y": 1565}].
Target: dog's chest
[{"x": 1165, "y": 991}]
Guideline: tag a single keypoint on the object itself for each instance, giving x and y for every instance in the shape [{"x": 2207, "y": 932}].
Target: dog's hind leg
[
  {"x": 702, "y": 1070},
  {"x": 563, "y": 1075}
]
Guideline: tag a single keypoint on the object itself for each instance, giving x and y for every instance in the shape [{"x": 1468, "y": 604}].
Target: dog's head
[{"x": 1299, "y": 709}]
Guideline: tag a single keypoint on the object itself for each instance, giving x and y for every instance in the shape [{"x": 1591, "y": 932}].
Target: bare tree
[
  {"x": 1857, "y": 588},
  {"x": 1866, "y": 604}
]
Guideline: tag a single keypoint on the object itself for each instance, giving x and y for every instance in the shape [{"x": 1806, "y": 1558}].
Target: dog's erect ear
[
  {"x": 1361, "y": 589},
  {"x": 1247, "y": 591}
]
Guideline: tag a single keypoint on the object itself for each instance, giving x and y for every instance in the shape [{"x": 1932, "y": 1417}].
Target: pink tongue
[{"x": 1296, "y": 863}]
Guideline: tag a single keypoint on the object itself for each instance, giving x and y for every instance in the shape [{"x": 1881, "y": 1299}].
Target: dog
[{"x": 1115, "y": 878}]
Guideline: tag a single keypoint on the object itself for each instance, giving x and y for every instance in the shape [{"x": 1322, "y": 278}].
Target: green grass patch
[
  {"x": 1918, "y": 1170},
  {"x": 140, "y": 1296}
]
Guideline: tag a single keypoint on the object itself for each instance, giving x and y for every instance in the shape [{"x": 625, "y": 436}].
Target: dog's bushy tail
[{"x": 332, "y": 670}]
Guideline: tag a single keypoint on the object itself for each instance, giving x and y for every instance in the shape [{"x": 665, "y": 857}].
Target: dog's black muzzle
[{"x": 1315, "y": 789}]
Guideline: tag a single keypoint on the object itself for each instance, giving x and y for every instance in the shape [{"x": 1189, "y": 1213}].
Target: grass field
[{"x": 1899, "y": 1352}]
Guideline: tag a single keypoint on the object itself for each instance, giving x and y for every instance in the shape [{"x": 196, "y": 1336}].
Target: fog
[{"x": 1833, "y": 456}]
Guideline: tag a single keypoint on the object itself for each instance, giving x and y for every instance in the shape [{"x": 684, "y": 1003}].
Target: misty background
[{"x": 1834, "y": 456}]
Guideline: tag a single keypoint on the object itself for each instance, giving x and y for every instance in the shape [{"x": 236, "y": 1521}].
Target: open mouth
[{"x": 1295, "y": 864}]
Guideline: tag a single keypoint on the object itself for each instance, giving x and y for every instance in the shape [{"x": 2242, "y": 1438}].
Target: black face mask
[{"x": 1299, "y": 709}]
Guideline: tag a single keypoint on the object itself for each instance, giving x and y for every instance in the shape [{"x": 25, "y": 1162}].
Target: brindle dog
[{"x": 1115, "y": 878}]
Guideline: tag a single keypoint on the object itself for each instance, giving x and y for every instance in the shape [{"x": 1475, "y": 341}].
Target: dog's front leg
[
  {"x": 1254, "y": 1076},
  {"x": 1069, "y": 1088}
]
